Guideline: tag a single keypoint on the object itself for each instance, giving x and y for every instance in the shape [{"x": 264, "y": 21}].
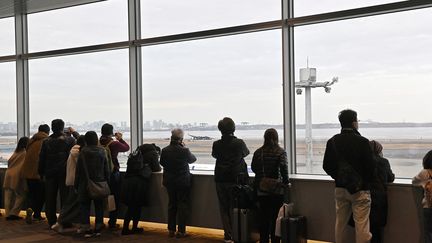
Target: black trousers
[
  {"x": 178, "y": 208},
  {"x": 132, "y": 213},
  {"x": 268, "y": 210},
  {"x": 36, "y": 196},
  {"x": 224, "y": 193},
  {"x": 427, "y": 215},
  {"x": 54, "y": 186},
  {"x": 115, "y": 187}
]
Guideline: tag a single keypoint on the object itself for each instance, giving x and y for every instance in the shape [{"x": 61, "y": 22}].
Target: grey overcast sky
[{"x": 383, "y": 64}]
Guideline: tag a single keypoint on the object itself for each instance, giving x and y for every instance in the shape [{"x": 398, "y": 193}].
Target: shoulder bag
[{"x": 268, "y": 184}]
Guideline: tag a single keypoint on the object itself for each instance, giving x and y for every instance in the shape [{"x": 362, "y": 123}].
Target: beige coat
[
  {"x": 13, "y": 179},
  {"x": 31, "y": 163},
  {"x": 71, "y": 165}
]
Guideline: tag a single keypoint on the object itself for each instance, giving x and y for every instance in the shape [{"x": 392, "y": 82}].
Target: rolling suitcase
[
  {"x": 241, "y": 224},
  {"x": 293, "y": 229}
]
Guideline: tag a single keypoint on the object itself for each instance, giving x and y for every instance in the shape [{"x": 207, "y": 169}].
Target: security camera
[
  {"x": 327, "y": 89},
  {"x": 299, "y": 91}
]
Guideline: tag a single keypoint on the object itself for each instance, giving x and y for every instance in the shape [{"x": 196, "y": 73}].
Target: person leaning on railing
[{"x": 229, "y": 152}]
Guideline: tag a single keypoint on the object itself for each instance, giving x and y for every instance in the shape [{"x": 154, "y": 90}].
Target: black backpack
[{"x": 135, "y": 161}]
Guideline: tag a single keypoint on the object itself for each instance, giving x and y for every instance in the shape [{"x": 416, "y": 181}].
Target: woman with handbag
[
  {"x": 269, "y": 163},
  {"x": 91, "y": 182}
]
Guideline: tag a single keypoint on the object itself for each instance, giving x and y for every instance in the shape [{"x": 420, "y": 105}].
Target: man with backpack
[
  {"x": 113, "y": 148},
  {"x": 348, "y": 159}
]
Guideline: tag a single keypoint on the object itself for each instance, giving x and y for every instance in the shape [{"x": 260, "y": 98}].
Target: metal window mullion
[
  {"x": 22, "y": 77},
  {"x": 288, "y": 85},
  {"x": 135, "y": 74},
  {"x": 360, "y": 12}
]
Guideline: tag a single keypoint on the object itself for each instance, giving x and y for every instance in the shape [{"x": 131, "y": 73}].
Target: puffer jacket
[
  {"x": 94, "y": 158},
  {"x": 54, "y": 154},
  {"x": 270, "y": 162},
  {"x": 30, "y": 167}
]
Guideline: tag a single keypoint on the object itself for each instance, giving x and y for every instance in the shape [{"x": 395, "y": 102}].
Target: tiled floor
[{"x": 20, "y": 232}]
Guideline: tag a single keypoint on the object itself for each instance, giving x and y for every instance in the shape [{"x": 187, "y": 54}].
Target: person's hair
[
  {"x": 91, "y": 138},
  {"x": 22, "y": 144},
  {"x": 57, "y": 125},
  {"x": 226, "y": 126},
  {"x": 107, "y": 129},
  {"x": 347, "y": 117},
  {"x": 427, "y": 160},
  {"x": 271, "y": 138},
  {"x": 44, "y": 128},
  {"x": 177, "y": 135},
  {"x": 81, "y": 141}
]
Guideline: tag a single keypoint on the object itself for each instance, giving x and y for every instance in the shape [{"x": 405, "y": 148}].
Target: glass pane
[
  {"x": 88, "y": 24},
  {"x": 84, "y": 90},
  {"x": 167, "y": 17},
  {"x": 8, "y": 125},
  {"x": 194, "y": 84},
  {"x": 7, "y": 37},
  {"x": 384, "y": 74},
  {"x": 309, "y": 7}
]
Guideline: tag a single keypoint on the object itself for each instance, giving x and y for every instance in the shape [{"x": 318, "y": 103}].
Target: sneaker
[
  {"x": 88, "y": 234},
  {"x": 57, "y": 227},
  {"x": 137, "y": 230},
  {"x": 171, "y": 233},
  {"x": 97, "y": 233},
  {"x": 80, "y": 230},
  {"x": 181, "y": 235},
  {"x": 113, "y": 226},
  {"x": 228, "y": 241},
  {"x": 29, "y": 216}
]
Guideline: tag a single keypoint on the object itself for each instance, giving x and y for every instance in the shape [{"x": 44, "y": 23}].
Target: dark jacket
[
  {"x": 115, "y": 148},
  {"x": 355, "y": 150},
  {"x": 379, "y": 205},
  {"x": 54, "y": 154},
  {"x": 94, "y": 158},
  {"x": 175, "y": 159},
  {"x": 135, "y": 184},
  {"x": 229, "y": 153},
  {"x": 268, "y": 162}
]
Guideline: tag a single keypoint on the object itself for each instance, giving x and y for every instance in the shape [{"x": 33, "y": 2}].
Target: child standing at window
[{"x": 424, "y": 179}]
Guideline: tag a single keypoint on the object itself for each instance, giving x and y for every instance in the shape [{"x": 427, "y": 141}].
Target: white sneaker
[{"x": 57, "y": 227}]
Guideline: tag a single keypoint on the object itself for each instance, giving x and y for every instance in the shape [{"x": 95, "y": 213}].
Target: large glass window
[
  {"x": 309, "y": 7},
  {"x": 88, "y": 24},
  {"x": 167, "y": 17},
  {"x": 84, "y": 90},
  {"x": 384, "y": 74},
  {"x": 195, "y": 84},
  {"x": 7, "y": 36},
  {"x": 8, "y": 125}
]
